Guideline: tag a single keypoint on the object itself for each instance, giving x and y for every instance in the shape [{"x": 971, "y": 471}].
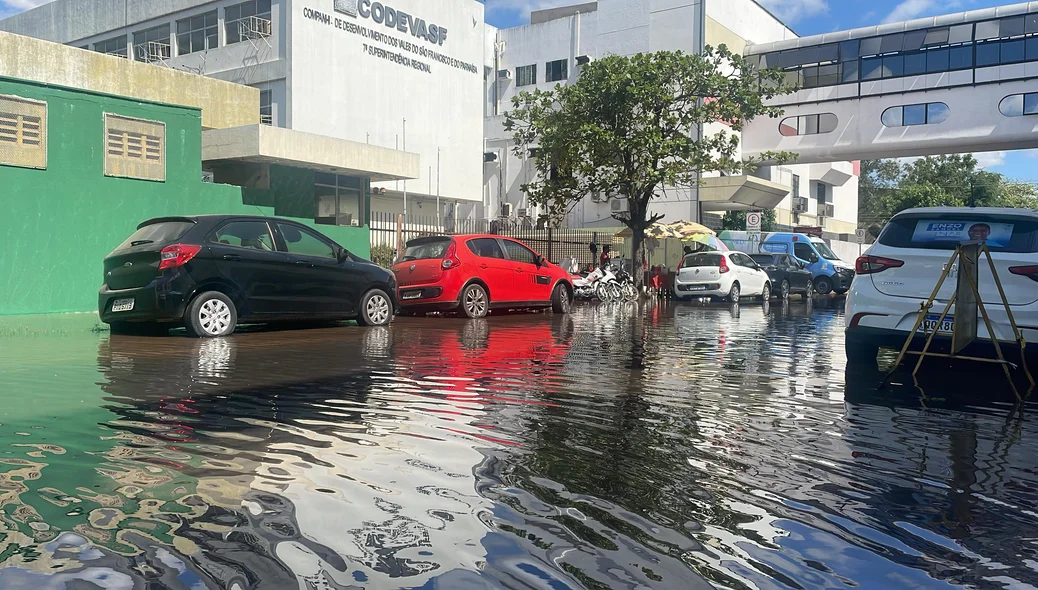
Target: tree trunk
[{"x": 637, "y": 243}]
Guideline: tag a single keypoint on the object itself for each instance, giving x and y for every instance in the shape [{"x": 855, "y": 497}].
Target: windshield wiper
[{"x": 141, "y": 242}]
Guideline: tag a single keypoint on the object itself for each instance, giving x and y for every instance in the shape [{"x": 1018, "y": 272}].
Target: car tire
[
  {"x": 211, "y": 315},
  {"x": 824, "y": 286},
  {"x": 475, "y": 303},
  {"x": 734, "y": 293},
  {"x": 765, "y": 294},
  {"x": 783, "y": 292},
  {"x": 841, "y": 291},
  {"x": 376, "y": 309},
  {"x": 560, "y": 299},
  {"x": 861, "y": 352},
  {"x": 810, "y": 291}
]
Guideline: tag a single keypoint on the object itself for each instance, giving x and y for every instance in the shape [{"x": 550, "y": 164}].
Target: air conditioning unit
[
  {"x": 489, "y": 157},
  {"x": 208, "y": 177},
  {"x": 620, "y": 206},
  {"x": 799, "y": 204},
  {"x": 506, "y": 209},
  {"x": 827, "y": 210},
  {"x": 504, "y": 74},
  {"x": 523, "y": 212},
  {"x": 583, "y": 60}
]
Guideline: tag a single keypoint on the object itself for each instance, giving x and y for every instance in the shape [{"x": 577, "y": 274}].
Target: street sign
[
  {"x": 860, "y": 234},
  {"x": 753, "y": 222}
]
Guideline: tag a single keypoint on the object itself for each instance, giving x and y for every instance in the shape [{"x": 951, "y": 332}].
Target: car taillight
[
  {"x": 724, "y": 266},
  {"x": 1030, "y": 272},
  {"x": 177, "y": 255},
  {"x": 869, "y": 265},
  {"x": 450, "y": 259}
]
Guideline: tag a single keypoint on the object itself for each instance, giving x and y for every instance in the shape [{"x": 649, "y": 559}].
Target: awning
[
  {"x": 736, "y": 193},
  {"x": 263, "y": 144}
]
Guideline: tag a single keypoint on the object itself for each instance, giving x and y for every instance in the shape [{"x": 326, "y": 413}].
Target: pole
[
  {"x": 438, "y": 210},
  {"x": 405, "y": 181}
]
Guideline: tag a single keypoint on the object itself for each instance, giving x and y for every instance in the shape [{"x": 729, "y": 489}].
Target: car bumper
[
  {"x": 163, "y": 300},
  {"x": 427, "y": 298},
  {"x": 713, "y": 288}
]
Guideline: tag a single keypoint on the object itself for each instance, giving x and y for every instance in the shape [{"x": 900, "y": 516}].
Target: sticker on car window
[{"x": 994, "y": 234}]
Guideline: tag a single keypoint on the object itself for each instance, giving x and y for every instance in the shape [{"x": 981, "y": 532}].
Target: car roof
[
  {"x": 211, "y": 218},
  {"x": 979, "y": 211}
]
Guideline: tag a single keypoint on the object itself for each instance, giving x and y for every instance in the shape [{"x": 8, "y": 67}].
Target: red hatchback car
[{"x": 474, "y": 274}]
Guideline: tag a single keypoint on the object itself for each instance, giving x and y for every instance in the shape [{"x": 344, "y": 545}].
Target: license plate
[
  {"x": 696, "y": 288},
  {"x": 122, "y": 305},
  {"x": 411, "y": 295},
  {"x": 930, "y": 324}
]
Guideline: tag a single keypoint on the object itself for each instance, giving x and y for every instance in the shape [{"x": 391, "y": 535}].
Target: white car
[
  {"x": 901, "y": 270},
  {"x": 727, "y": 275}
]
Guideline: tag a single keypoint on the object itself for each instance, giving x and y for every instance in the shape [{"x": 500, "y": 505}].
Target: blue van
[{"x": 830, "y": 273}]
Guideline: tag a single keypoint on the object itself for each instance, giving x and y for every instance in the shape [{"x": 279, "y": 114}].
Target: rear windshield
[
  {"x": 945, "y": 232},
  {"x": 765, "y": 259},
  {"x": 162, "y": 233},
  {"x": 425, "y": 250},
  {"x": 695, "y": 260}
]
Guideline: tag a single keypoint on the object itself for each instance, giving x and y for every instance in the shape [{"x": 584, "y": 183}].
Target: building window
[
  {"x": 1018, "y": 105},
  {"x": 556, "y": 71},
  {"x": 916, "y": 114},
  {"x": 340, "y": 200},
  {"x": 796, "y": 185},
  {"x": 198, "y": 33},
  {"x": 526, "y": 75},
  {"x": 113, "y": 46},
  {"x": 808, "y": 125},
  {"x": 135, "y": 148},
  {"x": 822, "y": 194},
  {"x": 152, "y": 45},
  {"x": 248, "y": 20},
  {"x": 267, "y": 107},
  {"x": 23, "y": 132}
]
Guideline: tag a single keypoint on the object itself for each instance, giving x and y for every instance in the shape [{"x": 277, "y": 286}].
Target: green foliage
[
  {"x": 887, "y": 187},
  {"x": 736, "y": 220},
  {"x": 383, "y": 255},
  {"x": 630, "y": 126}
]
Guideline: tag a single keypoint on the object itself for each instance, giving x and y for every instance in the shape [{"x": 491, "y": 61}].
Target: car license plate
[
  {"x": 930, "y": 324},
  {"x": 411, "y": 295},
  {"x": 696, "y": 288},
  {"x": 122, "y": 305}
]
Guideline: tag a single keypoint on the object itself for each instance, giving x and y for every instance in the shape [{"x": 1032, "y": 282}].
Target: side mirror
[
  {"x": 814, "y": 258},
  {"x": 540, "y": 261},
  {"x": 342, "y": 255}
]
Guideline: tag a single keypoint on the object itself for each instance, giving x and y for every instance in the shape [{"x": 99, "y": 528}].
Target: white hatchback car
[
  {"x": 900, "y": 271},
  {"x": 727, "y": 275}
]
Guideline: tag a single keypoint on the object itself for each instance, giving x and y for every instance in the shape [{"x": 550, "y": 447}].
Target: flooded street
[{"x": 620, "y": 447}]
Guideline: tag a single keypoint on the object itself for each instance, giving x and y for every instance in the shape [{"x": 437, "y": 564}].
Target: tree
[
  {"x": 736, "y": 220},
  {"x": 630, "y": 126}
]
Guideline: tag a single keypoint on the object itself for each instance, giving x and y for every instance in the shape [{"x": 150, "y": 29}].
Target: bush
[{"x": 383, "y": 255}]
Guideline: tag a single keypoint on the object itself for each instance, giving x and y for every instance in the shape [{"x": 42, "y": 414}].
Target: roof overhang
[
  {"x": 263, "y": 144},
  {"x": 740, "y": 193}
]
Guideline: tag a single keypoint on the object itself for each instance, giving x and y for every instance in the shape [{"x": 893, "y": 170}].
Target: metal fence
[{"x": 557, "y": 245}]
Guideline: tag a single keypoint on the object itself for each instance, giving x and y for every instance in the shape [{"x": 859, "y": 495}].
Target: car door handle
[
  {"x": 519, "y": 270},
  {"x": 303, "y": 263},
  {"x": 483, "y": 266},
  {"x": 232, "y": 257}
]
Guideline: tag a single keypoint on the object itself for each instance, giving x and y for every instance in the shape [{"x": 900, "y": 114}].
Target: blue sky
[{"x": 806, "y": 17}]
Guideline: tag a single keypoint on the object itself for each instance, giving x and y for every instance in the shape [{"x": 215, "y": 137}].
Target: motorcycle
[
  {"x": 626, "y": 282},
  {"x": 600, "y": 283}
]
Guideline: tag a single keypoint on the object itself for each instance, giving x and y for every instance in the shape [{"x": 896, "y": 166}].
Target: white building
[{"x": 551, "y": 49}]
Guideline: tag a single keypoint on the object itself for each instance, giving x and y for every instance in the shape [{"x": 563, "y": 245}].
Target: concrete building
[{"x": 550, "y": 51}]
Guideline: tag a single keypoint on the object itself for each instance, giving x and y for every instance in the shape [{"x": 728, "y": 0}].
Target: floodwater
[{"x": 621, "y": 447}]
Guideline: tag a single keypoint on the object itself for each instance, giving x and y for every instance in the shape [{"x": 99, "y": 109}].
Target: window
[
  {"x": 915, "y": 64},
  {"x": 152, "y": 45},
  {"x": 849, "y": 50},
  {"x": 701, "y": 260},
  {"x": 555, "y": 71},
  {"x": 987, "y": 30},
  {"x": 872, "y": 69},
  {"x": 267, "y": 107},
  {"x": 254, "y": 235},
  {"x": 915, "y": 114},
  {"x": 808, "y": 125},
  {"x": 434, "y": 248},
  {"x": 486, "y": 248},
  {"x": 302, "y": 241},
  {"x": 987, "y": 54},
  {"x": 1012, "y": 51},
  {"x": 1009, "y": 233},
  {"x": 960, "y": 58},
  {"x": 1032, "y": 48},
  {"x": 803, "y": 251},
  {"x": 894, "y": 66},
  {"x": 1012, "y": 26},
  {"x": 936, "y": 61},
  {"x": 339, "y": 200},
  {"x": 23, "y": 132},
  {"x": 113, "y": 46},
  {"x": 526, "y": 75},
  {"x": 796, "y": 185},
  {"x": 1018, "y": 105},
  {"x": 520, "y": 253},
  {"x": 198, "y": 33},
  {"x": 821, "y": 194},
  {"x": 248, "y": 20},
  {"x": 850, "y": 71},
  {"x": 135, "y": 148},
  {"x": 961, "y": 34}
]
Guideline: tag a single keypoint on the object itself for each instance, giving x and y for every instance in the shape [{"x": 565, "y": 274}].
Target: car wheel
[
  {"x": 733, "y": 294},
  {"x": 824, "y": 286},
  {"x": 376, "y": 309},
  {"x": 474, "y": 302},
  {"x": 841, "y": 291},
  {"x": 560, "y": 299},
  {"x": 211, "y": 315},
  {"x": 861, "y": 351},
  {"x": 765, "y": 295},
  {"x": 784, "y": 290},
  {"x": 810, "y": 290}
]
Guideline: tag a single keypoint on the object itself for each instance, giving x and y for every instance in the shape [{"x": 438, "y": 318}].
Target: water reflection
[{"x": 627, "y": 446}]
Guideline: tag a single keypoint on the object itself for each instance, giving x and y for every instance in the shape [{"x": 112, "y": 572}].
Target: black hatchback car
[
  {"x": 210, "y": 272},
  {"x": 787, "y": 274}
]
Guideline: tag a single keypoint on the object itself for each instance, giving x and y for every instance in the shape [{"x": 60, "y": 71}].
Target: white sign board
[
  {"x": 860, "y": 234},
  {"x": 753, "y": 220}
]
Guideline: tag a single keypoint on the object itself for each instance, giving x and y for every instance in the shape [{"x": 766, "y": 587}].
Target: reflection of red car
[{"x": 474, "y": 274}]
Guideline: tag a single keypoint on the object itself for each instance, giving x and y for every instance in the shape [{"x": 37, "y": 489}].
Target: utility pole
[
  {"x": 405, "y": 181},
  {"x": 438, "y": 210}
]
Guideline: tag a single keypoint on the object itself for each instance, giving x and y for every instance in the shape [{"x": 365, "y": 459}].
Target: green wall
[{"x": 61, "y": 222}]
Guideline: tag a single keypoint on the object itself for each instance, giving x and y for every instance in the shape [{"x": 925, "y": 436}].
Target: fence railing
[{"x": 557, "y": 245}]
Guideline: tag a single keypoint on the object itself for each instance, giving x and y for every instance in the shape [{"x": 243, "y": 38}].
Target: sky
[{"x": 806, "y": 17}]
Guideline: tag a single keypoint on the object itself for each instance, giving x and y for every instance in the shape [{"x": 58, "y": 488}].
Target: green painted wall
[{"x": 61, "y": 222}]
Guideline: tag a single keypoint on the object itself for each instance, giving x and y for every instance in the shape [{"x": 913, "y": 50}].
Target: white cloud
[
  {"x": 990, "y": 159},
  {"x": 909, "y": 9},
  {"x": 522, "y": 8},
  {"x": 790, "y": 11}
]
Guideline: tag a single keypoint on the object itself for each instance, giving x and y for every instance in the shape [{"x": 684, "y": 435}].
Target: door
[
  {"x": 245, "y": 254},
  {"x": 531, "y": 284},
  {"x": 323, "y": 285},
  {"x": 806, "y": 254},
  {"x": 494, "y": 268},
  {"x": 797, "y": 275},
  {"x": 752, "y": 280}
]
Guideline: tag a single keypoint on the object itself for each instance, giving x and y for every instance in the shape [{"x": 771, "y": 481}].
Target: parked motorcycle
[{"x": 626, "y": 283}]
